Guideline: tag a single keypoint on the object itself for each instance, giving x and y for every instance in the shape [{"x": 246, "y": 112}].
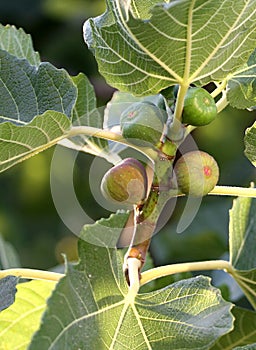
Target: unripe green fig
[
  {"x": 142, "y": 123},
  {"x": 199, "y": 107},
  {"x": 126, "y": 182},
  {"x": 197, "y": 173}
]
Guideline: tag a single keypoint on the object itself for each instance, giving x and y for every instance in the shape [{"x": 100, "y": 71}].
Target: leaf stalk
[
  {"x": 32, "y": 274},
  {"x": 167, "y": 270}
]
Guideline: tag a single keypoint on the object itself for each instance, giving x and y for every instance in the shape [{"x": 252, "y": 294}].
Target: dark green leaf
[
  {"x": 7, "y": 291},
  {"x": 27, "y": 91}
]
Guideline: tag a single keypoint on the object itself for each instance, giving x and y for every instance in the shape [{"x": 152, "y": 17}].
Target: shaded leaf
[
  {"x": 18, "y": 43},
  {"x": 242, "y": 229},
  {"x": 18, "y": 143},
  {"x": 86, "y": 113},
  {"x": 27, "y": 91},
  {"x": 241, "y": 90},
  {"x": 8, "y": 255},
  {"x": 250, "y": 143},
  {"x": 92, "y": 309},
  {"x": 7, "y": 291},
  {"x": 22, "y": 319},
  {"x": 162, "y": 46},
  {"x": 244, "y": 331},
  {"x": 242, "y": 242}
]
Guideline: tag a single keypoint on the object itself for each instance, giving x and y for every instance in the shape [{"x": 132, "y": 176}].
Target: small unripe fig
[
  {"x": 126, "y": 182},
  {"x": 197, "y": 173},
  {"x": 142, "y": 123},
  {"x": 199, "y": 107}
]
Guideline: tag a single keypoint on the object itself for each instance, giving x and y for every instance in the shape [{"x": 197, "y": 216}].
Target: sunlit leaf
[
  {"x": 92, "y": 309},
  {"x": 162, "y": 45},
  {"x": 250, "y": 143},
  {"x": 18, "y": 143},
  {"x": 241, "y": 90},
  {"x": 18, "y": 43},
  {"x": 22, "y": 319}
]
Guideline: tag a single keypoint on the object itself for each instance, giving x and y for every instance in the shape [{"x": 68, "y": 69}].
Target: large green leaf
[
  {"x": 242, "y": 242},
  {"x": 21, "y": 320},
  {"x": 18, "y": 43},
  {"x": 92, "y": 309},
  {"x": 27, "y": 91},
  {"x": 18, "y": 143},
  {"x": 244, "y": 331},
  {"x": 241, "y": 90},
  {"x": 36, "y": 106},
  {"x": 162, "y": 45},
  {"x": 250, "y": 143}
]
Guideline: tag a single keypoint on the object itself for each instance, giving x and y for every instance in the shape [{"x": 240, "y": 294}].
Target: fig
[
  {"x": 197, "y": 173},
  {"x": 126, "y": 182},
  {"x": 142, "y": 123},
  {"x": 199, "y": 107}
]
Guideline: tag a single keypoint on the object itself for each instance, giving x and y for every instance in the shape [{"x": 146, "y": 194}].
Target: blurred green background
[{"x": 28, "y": 218}]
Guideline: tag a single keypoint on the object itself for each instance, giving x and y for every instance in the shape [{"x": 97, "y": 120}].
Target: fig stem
[
  {"x": 109, "y": 135},
  {"x": 167, "y": 270},
  {"x": 234, "y": 191},
  {"x": 32, "y": 274},
  {"x": 219, "y": 88},
  {"x": 175, "y": 127},
  {"x": 222, "y": 103},
  {"x": 146, "y": 216}
]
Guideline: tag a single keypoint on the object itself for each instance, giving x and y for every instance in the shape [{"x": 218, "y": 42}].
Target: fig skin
[
  {"x": 142, "y": 123},
  {"x": 197, "y": 173},
  {"x": 126, "y": 182},
  {"x": 199, "y": 107}
]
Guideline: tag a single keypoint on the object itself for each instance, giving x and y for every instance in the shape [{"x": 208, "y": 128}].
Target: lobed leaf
[
  {"x": 250, "y": 143},
  {"x": 27, "y": 91},
  {"x": 145, "y": 51},
  {"x": 18, "y": 43},
  {"x": 91, "y": 307},
  {"x": 244, "y": 331},
  {"x": 18, "y": 143},
  {"x": 22, "y": 319}
]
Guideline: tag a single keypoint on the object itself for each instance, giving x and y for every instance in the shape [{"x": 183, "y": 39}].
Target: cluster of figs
[{"x": 196, "y": 173}]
